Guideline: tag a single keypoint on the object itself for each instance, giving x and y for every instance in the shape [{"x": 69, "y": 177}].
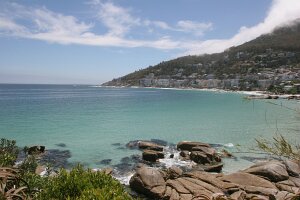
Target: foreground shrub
[
  {"x": 82, "y": 184},
  {"x": 8, "y": 152},
  {"x": 11, "y": 185},
  {"x": 279, "y": 147}
]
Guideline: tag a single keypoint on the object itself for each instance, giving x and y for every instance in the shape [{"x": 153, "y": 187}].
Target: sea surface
[{"x": 96, "y": 123}]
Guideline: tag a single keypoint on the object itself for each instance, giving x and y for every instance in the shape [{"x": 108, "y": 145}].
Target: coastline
[{"x": 259, "y": 94}]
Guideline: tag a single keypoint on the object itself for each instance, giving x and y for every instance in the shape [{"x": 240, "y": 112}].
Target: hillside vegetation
[{"x": 269, "y": 61}]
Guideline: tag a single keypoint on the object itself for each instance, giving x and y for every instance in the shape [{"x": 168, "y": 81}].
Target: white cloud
[
  {"x": 193, "y": 27},
  {"x": 117, "y": 19},
  {"x": 281, "y": 12},
  {"x": 43, "y": 24},
  {"x": 9, "y": 26}
]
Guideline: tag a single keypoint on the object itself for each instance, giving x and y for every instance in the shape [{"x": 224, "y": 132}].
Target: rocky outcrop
[
  {"x": 188, "y": 146},
  {"x": 148, "y": 181},
  {"x": 150, "y": 146},
  {"x": 34, "y": 150},
  {"x": 202, "y": 154},
  {"x": 152, "y": 156},
  {"x": 256, "y": 182},
  {"x": 272, "y": 170}
]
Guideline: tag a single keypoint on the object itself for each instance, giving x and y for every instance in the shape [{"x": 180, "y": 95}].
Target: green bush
[
  {"x": 8, "y": 152},
  {"x": 82, "y": 184}
]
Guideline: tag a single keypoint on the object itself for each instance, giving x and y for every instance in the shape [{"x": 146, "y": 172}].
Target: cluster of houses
[{"x": 272, "y": 68}]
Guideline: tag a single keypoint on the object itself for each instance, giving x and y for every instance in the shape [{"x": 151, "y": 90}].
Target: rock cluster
[
  {"x": 265, "y": 180},
  {"x": 201, "y": 153},
  {"x": 151, "y": 151}
]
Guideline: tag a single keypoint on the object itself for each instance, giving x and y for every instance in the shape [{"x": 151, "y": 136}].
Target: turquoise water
[{"x": 90, "y": 119}]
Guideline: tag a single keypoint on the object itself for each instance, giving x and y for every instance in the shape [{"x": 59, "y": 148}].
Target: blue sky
[{"x": 93, "y": 41}]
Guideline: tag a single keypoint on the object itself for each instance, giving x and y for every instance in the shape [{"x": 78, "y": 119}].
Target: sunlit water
[{"x": 89, "y": 120}]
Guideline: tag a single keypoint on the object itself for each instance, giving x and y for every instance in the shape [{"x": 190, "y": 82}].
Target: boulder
[
  {"x": 293, "y": 167},
  {"x": 174, "y": 172},
  {"x": 200, "y": 157},
  {"x": 245, "y": 179},
  {"x": 33, "y": 150},
  {"x": 186, "y": 145},
  {"x": 151, "y": 155},
  {"x": 213, "y": 167},
  {"x": 107, "y": 170},
  {"x": 148, "y": 181},
  {"x": 207, "y": 150},
  {"x": 184, "y": 154},
  {"x": 150, "y": 146},
  {"x": 213, "y": 180},
  {"x": 274, "y": 171}
]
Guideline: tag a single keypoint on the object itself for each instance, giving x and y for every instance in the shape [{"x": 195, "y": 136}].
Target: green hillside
[{"x": 279, "y": 50}]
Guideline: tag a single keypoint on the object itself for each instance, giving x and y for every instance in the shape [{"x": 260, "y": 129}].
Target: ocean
[{"x": 95, "y": 123}]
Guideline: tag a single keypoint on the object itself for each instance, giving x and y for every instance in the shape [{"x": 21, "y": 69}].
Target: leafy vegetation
[
  {"x": 8, "y": 152},
  {"x": 78, "y": 183},
  {"x": 82, "y": 184}
]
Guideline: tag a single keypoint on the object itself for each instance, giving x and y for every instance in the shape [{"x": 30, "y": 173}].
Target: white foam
[
  {"x": 175, "y": 161},
  {"x": 229, "y": 145},
  {"x": 124, "y": 179}
]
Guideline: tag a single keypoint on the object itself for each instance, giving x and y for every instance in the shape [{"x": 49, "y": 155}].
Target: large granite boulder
[
  {"x": 188, "y": 146},
  {"x": 151, "y": 155},
  {"x": 202, "y": 185},
  {"x": 148, "y": 181},
  {"x": 293, "y": 167},
  {"x": 274, "y": 171},
  {"x": 150, "y": 146},
  {"x": 245, "y": 179},
  {"x": 200, "y": 157},
  {"x": 174, "y": 172}
]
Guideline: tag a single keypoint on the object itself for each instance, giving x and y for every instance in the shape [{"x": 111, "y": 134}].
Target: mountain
[{"x": 269, "y": 61}]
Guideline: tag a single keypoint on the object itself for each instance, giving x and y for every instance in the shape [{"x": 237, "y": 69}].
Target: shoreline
[{"x": 258, "y": 93}]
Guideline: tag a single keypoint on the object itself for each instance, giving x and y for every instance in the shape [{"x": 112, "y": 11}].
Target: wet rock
[
  {"x": 200, "y": 157},
  {"x": 272, "y": 170},
  {"x": 159, "y": 142},
  {"x": 187, "y": 145},
  {"x": 105, "y": 161},
  {"x": 56, "y": 158},
  {"x": 213, "y": 167},
  {"x": 172, "y": 155},
  {"x": 61, "y": 145},
  {"x": 150, "y": 146},
  {"x": 149, "y": 182},
  {"x": 152, "y": 156},
  {"x": 133, "y": 144},
  {"x": 33, "y": 150},
  {"x": 124, "y": 167},
  {"x": 185, "y": 154}
]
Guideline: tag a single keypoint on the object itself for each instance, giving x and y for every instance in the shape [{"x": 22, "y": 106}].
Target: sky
[{"x": 94, "y": 41}]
